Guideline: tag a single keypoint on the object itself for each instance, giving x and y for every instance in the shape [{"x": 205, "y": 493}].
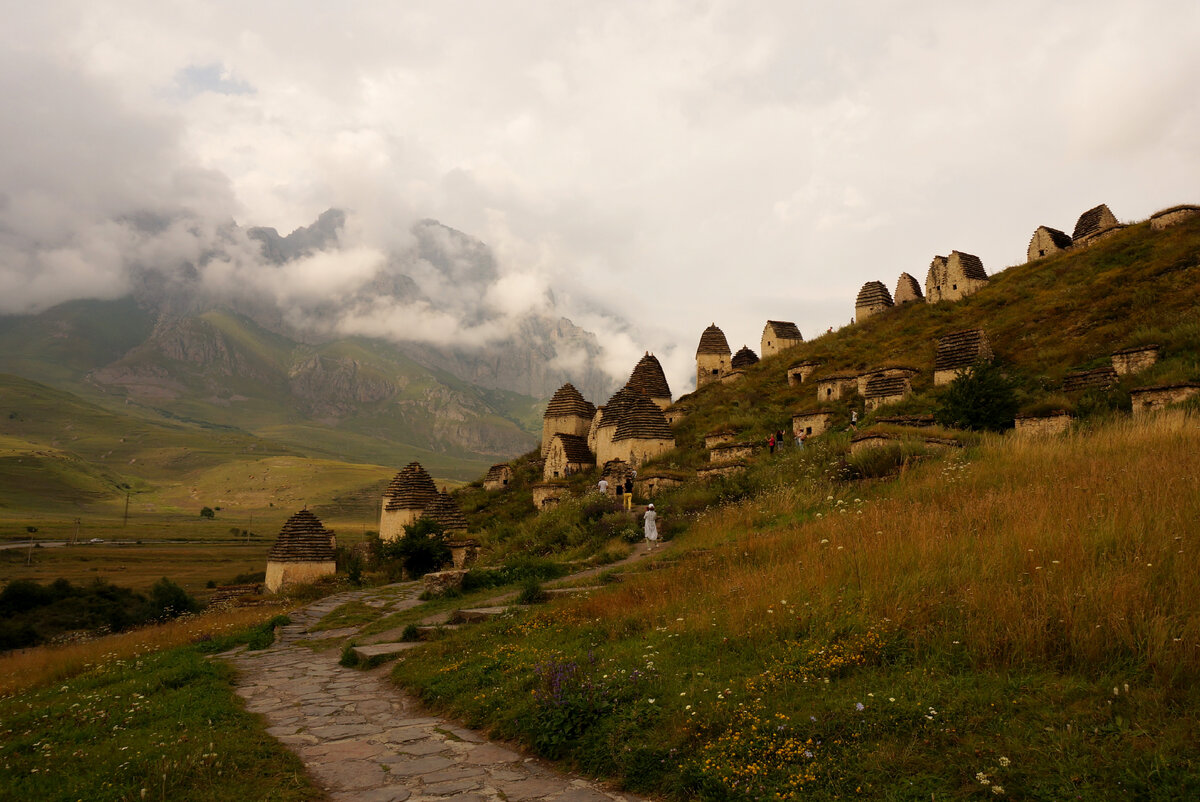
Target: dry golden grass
[
  {"x": 1069, "y": 551},
  {"x": 45, "y": 665}
]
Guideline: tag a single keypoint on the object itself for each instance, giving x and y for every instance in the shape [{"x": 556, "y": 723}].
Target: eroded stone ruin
[
  {"x": 1134, "y": 360},
  {"x": 908, "y": 290},
  {"x": 953, "y": 277},
  {"x": 1047, "y": 241},
  {"x": 1094, "y": 224},
  {"x": 1099, "y": 378},
  {"x": 498, "y": 477},
  {"x": 1172, "y": 216}
]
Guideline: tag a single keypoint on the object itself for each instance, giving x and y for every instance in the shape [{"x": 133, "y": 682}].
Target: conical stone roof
[
  {"x": 643, "y": 420},
  {"x": 873, "y": 293},
  {"x": 303, "y": 540},
  {"x": 411, "y": 489},
  {"x": 444, "y": 511},
  {"x": 569, "y": 402},
  {"x": 614, "y": 410},
  {"x": 744, "y": 358},
  {"x": 713, "y": 341},
  {"x": 648, "y": 378}
]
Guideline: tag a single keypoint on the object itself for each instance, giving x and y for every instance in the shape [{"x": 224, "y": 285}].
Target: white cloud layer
[{"x": 672, "y": 163}]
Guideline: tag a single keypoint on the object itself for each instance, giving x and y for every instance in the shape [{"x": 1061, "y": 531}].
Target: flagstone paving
[{"x": 365, "y": 740}]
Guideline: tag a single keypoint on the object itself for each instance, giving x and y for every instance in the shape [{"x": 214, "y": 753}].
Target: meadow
[{"x": 1021, "y": 618}]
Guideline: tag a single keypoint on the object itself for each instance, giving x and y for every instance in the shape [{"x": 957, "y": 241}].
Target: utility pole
[
  {"x": 75, "y": 540},
  {"x": 125, "y": 519}
]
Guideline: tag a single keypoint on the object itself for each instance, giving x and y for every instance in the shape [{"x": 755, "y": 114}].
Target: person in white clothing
[
  {"x": 602, "y": 486},
  {"x": 651, "y": 527}
]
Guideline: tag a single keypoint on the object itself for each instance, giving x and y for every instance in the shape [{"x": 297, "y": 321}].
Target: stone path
[{"x": 363, "y": 739}]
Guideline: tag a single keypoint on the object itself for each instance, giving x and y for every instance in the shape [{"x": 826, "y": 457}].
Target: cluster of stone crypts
[
  {"x": 303, "y": 552},
  {"x": 1099, "y": 379},
  {"x": 1092, "y": 225},
  {"x": 949, "y": 279},
  {"x": 630, "y": 429}
]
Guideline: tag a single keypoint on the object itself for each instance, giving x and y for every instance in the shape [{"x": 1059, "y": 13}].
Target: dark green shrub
[
  {"x": 981, "y": 398},
  {"x": 422, "y": 549},
  {"x": 532, "y": 593},
  {"x": 170, "y": 600}
]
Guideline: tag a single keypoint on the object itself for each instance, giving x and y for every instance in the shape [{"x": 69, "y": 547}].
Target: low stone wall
[
  {"x": 1134, "y": 360},
  {"x": 729, "y": 377},
  {"x": 733, "y": 452},
  {"x": 463, "y": 553},
  {"x": 281, "y": 574},
  {"x": 718, "y": 439},
  {"x": 869, "y": 441},
  {"x": 1172, "y": 217},
  {"x": 441, "y": 581},
  {"x": 709, "y": 472},
  {"x": 675, "y": 414},
  {"x": 651, "y": 486},
  {"x": 1153, "y": 399},
  {"x": 798, "y": 374},
  {"x": 831, "y": 388},
  {"x": 545, "y": 495},
  {"x": 811, "y": 424},
  {"x": 1043, "y": 425}
]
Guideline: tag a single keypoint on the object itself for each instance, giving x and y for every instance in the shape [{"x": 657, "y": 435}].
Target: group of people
[{"x": 624, "y": 493}]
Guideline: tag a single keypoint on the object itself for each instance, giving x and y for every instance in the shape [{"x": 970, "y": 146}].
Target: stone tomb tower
[
  {"x": 600, "y": 438},
  {"x": 712, "y": 356},
  {"x": 405, "y": 500},
  {"x": 649, "y": 380},
  {"x": 303, "y": 552},
  {"x": 444, "y": 511},
  {"x": 908, "y": 290},
  {"x": 568, "y": 454},
  {"x": 872, "y": 299},
  {"x": 642, "y": 433},
  {"x": 567, "y": 413},
  {"x": 1047, "y": 241},
  {"x": 953, "y": 277},
  {"x": 778, "y": 335}
]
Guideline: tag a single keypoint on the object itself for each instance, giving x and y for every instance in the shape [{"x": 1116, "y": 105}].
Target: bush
[
  {"x": 207, "y": 512},
  {"x": 170, "y": 600},
  {"x": 981, "y": 398},
  {"x": 532, "y": 593},
  {"x": 422, "y": 549}
]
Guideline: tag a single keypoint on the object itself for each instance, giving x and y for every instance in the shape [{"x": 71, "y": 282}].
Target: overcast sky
[{"x": 673, "y": 164}]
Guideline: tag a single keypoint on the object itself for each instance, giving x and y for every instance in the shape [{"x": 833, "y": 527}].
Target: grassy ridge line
[{"x": 1025, "y": 614}]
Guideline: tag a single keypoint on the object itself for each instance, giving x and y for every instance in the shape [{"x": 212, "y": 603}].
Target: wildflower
[
  {"x": 891, "y": 698},
  {"x": 859, "y": 706},
  {"x": 983, "y": 779},
  {"x": 1003, "y": 761},
  {"x": 998, "y": 790},
  {"x": 651, "y": 701}
]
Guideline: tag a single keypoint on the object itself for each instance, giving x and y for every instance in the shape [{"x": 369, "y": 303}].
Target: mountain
[{"x": 312, "y": 373}]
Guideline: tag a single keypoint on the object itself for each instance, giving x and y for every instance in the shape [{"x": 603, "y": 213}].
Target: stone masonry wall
[{"x": 280, "y": 574}]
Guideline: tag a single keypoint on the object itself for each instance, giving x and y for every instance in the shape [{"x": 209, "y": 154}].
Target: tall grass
[
  {"x": 1075, "y": 551},
  {"x": 45, "y": 665}
]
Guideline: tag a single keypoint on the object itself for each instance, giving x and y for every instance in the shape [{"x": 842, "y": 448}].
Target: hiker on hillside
[
  {"x": 854, "y": 419},
  {"x": 602, "y": 486},
  {"x": 800, "y": 438},
  {"x": 620, "y": 494},
  {"x": 779, "y": 441},
  {"x": 771, "y": 443},
  {"x": 628, "y": 492},
  {"x": 651, "y": 526}
]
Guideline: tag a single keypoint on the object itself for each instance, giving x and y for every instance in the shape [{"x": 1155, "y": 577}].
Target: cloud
[{"x": 643, "y": 168}]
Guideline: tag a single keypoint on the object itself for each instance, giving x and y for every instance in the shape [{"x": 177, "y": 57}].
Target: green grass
[
  {"x": 986, "y": 609},
  {"x": 164, "y": 726}
]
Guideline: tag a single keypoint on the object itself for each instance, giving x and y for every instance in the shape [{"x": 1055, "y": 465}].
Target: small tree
[
  {"x": 207, "y": 512},
  {"x": 980, "y": 398},
  {"x": 422, "y": 549},
  {"x": 169, "y": 600}
]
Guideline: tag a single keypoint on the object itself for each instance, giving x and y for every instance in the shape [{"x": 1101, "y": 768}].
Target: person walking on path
[
  {"x": 620, "y": 494},
  {"x": 651, "y": 526},
  {"x": 629, "y": 493},
  {"x": 602, "y": 486}
]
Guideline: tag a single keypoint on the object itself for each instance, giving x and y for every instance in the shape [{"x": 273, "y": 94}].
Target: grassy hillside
[{"x": 1014, "y": 617}]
